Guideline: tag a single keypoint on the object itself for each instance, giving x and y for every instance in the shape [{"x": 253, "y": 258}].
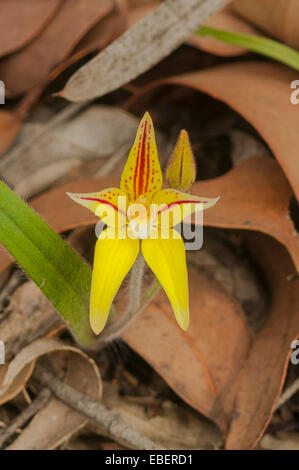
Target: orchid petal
[
  {"x": 142, "y": 173},
  {"x": 172, "y": 206},
  {"x": 113, "y": 259},
  {"x": 167, "y": 259},
  {"x": 109, "y": 204}
]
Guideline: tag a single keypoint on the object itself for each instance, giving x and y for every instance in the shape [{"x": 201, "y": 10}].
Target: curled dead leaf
[
  {"x": 56, "y": 421},
  {"x": 255, "y": 195},
  {"x": 271, "y": 349}
]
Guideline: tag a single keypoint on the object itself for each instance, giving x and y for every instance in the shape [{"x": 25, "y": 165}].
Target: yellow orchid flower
[{"x": 138, "y": 213}]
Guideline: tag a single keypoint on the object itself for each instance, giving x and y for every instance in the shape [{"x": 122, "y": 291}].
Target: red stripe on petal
[
  {"x": 103, "y": 201},
  {"x": 181, "y": 202}
]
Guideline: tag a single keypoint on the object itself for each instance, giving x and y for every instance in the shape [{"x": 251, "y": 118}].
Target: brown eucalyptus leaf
[
  {"x": 277, "y": 17},
  {"x": 265, "y": 370},
  {"x": 56, "y": 421},
  {"x": 104, "y": 32},
  {"x": 22, "y": 20},
  {"x": 255, "y": 195},
  {"x": 30, "y": 66},
  {"x": 258, "y": 91},
  {"x": 202, "y": 364}
]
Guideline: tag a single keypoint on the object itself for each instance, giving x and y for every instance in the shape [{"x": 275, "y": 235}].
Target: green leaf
[
  {"x": 47, "y": 259},
  {"x": 268, "y": 47}
]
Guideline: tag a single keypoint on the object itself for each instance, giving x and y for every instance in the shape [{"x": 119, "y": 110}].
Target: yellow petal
[
  {"x": 167, "y": 260},
  {"x": 113, "y": 260},
  {"x": 142, "y": 173},
  {"x": 109, "y": 204},
  {"x": 181, "y": 170},
  {"x": 174, "y": 206}
]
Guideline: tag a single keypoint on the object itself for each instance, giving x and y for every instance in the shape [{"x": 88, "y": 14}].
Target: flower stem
[{"x": 136, "y": 304}]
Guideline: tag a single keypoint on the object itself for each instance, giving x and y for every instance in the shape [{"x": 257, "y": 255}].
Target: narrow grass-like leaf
[
  {"x": 47, "y": 259},
  {"x": 267, "y": 47}
]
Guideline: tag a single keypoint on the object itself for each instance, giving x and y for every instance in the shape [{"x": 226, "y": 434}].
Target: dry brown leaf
[
  {"x": 56, "y": 421},
  {"x": 22, "y": 20},
  {"x": 203, "y": 364},
  {"x": 260, "y": 92},
  {"x": 255, "y": 195},
  {"x": 30, "y": 66},
  {"x": 264, "y": 373},
  {"x": 278, "y": 17},
  {"x": 104, "y": 32}
]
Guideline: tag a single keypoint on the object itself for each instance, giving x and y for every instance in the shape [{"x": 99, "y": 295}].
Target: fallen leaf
[
  {"x": 145, "y": 44},
  {"x": 17, "y": 29},
  {"x": 30, "y": 66},
  {"x": 214, "y": 347},
  {"x": 255, "y": 195},
  {"x": 104, "y": 32},
  {"x": 265, "y": 370},
  {"x": 258, "y": 91},
  {"x": 56, "y": 421},
  {"x": 278, "y": 17}
]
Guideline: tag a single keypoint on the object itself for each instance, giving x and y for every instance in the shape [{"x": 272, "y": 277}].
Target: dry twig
[
  {"x": 39, "y": 402},
  {"x": 95, "y": 410}
]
